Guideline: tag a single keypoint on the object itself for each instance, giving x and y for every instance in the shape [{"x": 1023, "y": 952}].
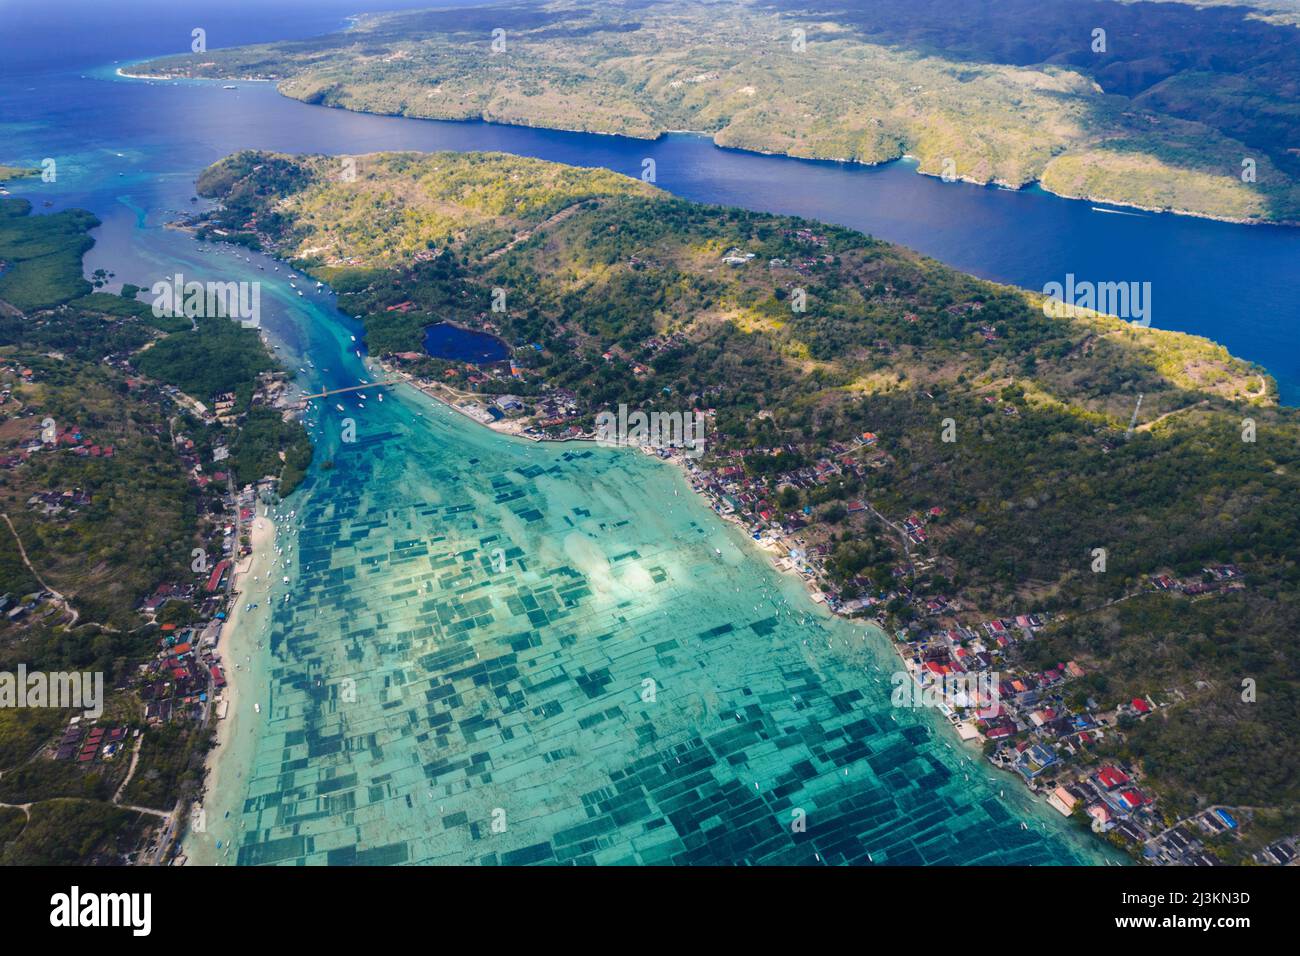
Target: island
[
  {"x": 1070, "y": 96},
  {"x": 1097, "y": 516}
]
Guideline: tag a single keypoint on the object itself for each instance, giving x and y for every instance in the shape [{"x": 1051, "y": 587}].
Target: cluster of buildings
[
  {"x": 44, "y": 437},
  {"x": 53, "y": 504},
  {"x": 87, "y": 741},
  {"x": 1214, "y": 577},
  {"x": 17, "y": 609},
  {"x": 1031, "y": 725},
  {"x": 185, "y": 676}
]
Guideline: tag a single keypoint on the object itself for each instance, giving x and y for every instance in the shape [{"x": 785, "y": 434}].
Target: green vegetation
[
  {"x": 214, "y": 357},
  {"x": 217, "y": 357},
  {"x": 24, "y": 731},
  {"x": 1012, "y": 93},
  {"x": 106, "y": 511},
  {"x": 139, "y": 495},
  {"x": 263, "y": 438},
  {"x": 71, "y": 832},
  {"x": 1040, "y": 472},
  {"x": 1245, "y": 755},
  {"x": 171, "y": 762},
  {"x": 40, "y": 256}
]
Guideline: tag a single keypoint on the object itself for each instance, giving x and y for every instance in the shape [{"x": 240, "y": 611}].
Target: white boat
[
  {"x": 339, "y": 407},
  {"x": 257, "y": 708}
]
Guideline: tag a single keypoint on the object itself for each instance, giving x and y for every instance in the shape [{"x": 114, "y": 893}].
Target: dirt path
[
  {"x": 135, "y": 759},
  {"x": 59, "y": 598},
  {"x": 527, "y": 234},
  {"x": 26, "y": 808},
  {"x": 1147, "y": 426}
]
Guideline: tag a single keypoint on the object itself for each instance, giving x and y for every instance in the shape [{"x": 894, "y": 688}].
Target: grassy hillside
[
  {"x": 1013, "y": 94},
  {"x": 626, "y": 291}
]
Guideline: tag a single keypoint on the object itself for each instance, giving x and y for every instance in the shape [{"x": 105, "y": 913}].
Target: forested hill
[
  {"x": 1169, "y": 106},
  {"x": 619, "y": 293}
]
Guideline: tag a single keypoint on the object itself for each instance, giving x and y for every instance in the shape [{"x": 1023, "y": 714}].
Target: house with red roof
[
  {"x": 1131, "y": 799},
  {"x": 1111, "y": 777}
]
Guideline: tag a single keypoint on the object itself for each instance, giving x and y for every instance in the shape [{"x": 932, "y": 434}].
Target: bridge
[{"x": 351, "y": 388}]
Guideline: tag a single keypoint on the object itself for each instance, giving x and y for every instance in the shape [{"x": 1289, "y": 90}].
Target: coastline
[
  {"x": 164, "y": 78},
  {"x": 965, "y": 741},
  {"x": 713, "y": 139},
  {"x": 238, "y": 652}
]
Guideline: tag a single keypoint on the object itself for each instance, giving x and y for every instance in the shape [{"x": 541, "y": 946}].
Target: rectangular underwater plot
[{"x": 523, "y": 690}]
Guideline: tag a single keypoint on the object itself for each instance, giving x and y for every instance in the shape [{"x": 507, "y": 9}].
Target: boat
[
  {"x": 230, "y": 86},
  {"x": 339, "y": 407},
  {"x": 257, "y": 708}
]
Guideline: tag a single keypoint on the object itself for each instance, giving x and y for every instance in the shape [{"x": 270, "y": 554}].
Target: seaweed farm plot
[{"x": 500, "y": 653}]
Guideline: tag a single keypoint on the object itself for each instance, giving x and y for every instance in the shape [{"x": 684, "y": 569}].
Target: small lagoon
[{"x": 455, "y": 344}]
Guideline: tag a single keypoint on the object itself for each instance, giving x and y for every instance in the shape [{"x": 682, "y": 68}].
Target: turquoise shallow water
[
  {"x": 417, "y": 694},
  {"x": 413, "y": 694},
  {"x": 495, "y": 651}
]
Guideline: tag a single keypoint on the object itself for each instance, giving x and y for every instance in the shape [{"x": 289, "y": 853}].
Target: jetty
[{"x": 350, "y": 388}]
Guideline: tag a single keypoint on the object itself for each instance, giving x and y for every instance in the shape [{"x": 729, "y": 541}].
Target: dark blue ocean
[
  {"x": 1238, "y": 285},
  {"x": 467, "y": 622}
]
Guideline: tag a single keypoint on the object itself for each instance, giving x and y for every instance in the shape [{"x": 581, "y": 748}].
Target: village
[
  {"x": 1030, "y": 725},
  {"x": 183, "y": 682},
  {"x": 1034, "y": 726}
]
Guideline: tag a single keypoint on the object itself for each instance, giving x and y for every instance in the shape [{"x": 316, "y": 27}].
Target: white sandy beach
[{"x": 243, "y": 679}]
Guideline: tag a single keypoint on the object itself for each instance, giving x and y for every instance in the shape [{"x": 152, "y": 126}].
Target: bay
[{"x": 497, "y": 651}]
